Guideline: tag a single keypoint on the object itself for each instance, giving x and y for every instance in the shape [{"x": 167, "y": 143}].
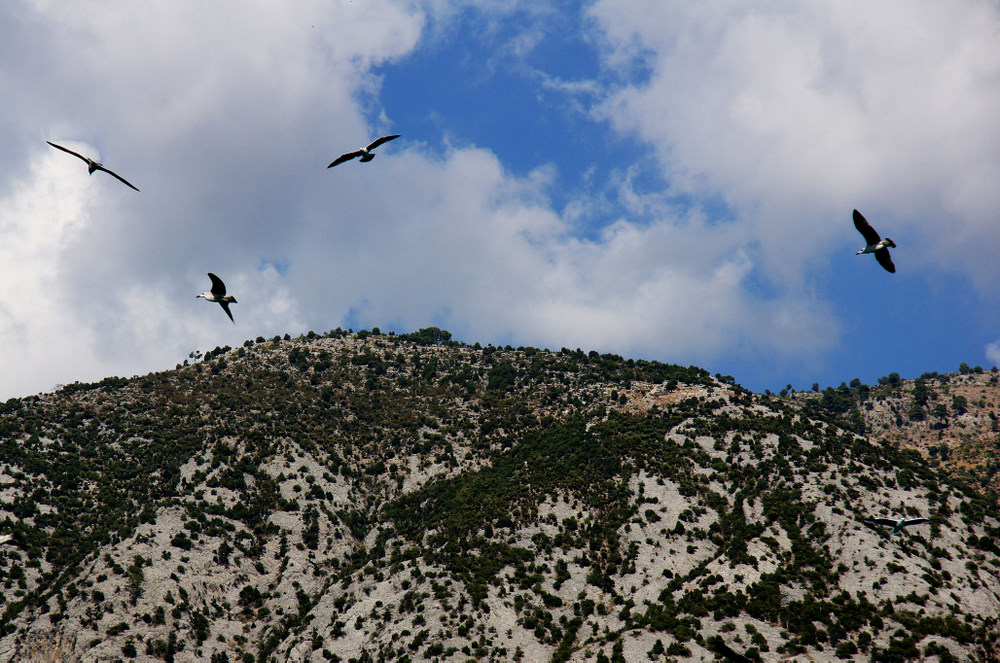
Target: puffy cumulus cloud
[
  {"x": 39, "y": 218},
  {"x": 798, "y": 112},
  {"x": 464, "y": 244},
  {"x": 448, "y": 239},
  {"x": 674, "y": 289},
  {"x": 226, "y": 116},
  {"x": 215, "y": 112},
  {"x": 59, "y": 324}
]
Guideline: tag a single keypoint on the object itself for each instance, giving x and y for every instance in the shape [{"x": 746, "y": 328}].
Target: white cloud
[
  {"x": 226, "y": 116},
  {"x": 993, "y": 352},
  {"x": 464, "y": 241},
  {"x": 214, "y": 111},
  {"x": 798, "y": 112}
]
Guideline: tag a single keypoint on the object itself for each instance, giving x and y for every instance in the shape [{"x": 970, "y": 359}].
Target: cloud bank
[{"x": 784, "y": 117}]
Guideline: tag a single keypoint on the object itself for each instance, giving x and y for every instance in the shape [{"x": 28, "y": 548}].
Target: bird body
[
  {"x": 365, "y": 153},
  {"x": 218, "y": 294},
  {"x": 93, "y": 166},
  {"x": 897, "y": 525},
  {"x": 875, "y": 244}
]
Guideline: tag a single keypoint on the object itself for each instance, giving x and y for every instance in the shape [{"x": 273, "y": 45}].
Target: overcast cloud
[{"x": 225, "y": 115}]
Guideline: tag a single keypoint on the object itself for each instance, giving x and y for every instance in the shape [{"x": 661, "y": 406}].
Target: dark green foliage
[
  {"x": 445, "y": 453},
  {"x": 427, "y": 336},
  {"x": 902, "y": 647},
  {"x": 846, "y": 649},
  {"x": 502, "y": 377},
  {"x": 892, "y": 380},
  {"x": 181, "y": 541},
  {"x": 959, "y": 405}
]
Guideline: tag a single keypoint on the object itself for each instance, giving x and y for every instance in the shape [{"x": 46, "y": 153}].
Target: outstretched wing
[
  {"x": 225, "y": 307},
  {"x": 881, "y": 521},
  {"x": 865, "y": 228},
  {"x": 345, "y": 157},
  {"x": 69, "y": 151},
  {"x": 882, "y": 255},
  {"x": 116, "y": 176},
  {"x": 4, "y": 538},
  {"x": 915, "y": 521},
  {"x": 218, "y": 287},
  {"x": 378, "y": 141}
]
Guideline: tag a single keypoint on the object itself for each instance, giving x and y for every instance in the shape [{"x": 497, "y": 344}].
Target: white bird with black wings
[
  {"x": 218, "y": 294},
  {"x": 877, "y": 245},
  {"x": 365, "y": 153},
  {"x": 93, "y": 166}
]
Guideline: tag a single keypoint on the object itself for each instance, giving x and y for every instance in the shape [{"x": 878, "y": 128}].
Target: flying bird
[
  {"x": 365, "y": 153},
  {"x": 897, "y": 525},
  {"x": 94, "y": 165},
  {"x": 218, "y": 294},
  {"x": 877, "y": 245}
]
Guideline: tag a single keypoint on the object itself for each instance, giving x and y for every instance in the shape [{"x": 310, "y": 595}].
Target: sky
[{"x": 657, "y": 179}]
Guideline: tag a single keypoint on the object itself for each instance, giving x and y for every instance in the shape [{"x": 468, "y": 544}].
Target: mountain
[
  {"x": 950, "y": 418},
  {"x": 375, "y": 497}
]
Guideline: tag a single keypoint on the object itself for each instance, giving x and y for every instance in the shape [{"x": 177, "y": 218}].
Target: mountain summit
[{"x": 375, "y": 497}]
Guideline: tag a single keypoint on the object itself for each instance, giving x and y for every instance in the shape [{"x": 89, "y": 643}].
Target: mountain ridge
[{"x": 370, "y": 497}]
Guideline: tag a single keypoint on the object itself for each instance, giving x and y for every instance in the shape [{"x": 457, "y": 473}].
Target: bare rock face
[{"x": 372, "y": 497}]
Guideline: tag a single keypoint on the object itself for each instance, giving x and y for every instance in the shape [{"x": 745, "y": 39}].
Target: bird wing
[
  {"x": 378, "y": 141},
  {"x": 882, "y": 255},
  {"x": 865, "y": 228},
  {"x": 65, "y": 149},
  {"x": 915, "y": 521},
  {"x": 881, "y": 521},
  {"x": 218, "y": 287},
  {"x": 225, "y": 307},
  {"x": 345, "y": 157},
  {"x": 116, "y": 176},
  {"x": 4, "y": 538}
]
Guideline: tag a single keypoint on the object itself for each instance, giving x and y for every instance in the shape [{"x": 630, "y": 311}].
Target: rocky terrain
[
  {"x": 374, "y": 497},
  {"x": 950, "y": 418}
]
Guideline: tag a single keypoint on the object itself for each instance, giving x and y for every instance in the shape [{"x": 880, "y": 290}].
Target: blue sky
[{"x": 661, "y": 180}]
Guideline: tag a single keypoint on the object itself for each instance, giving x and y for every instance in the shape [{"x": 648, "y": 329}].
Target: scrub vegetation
[{"x": 367, "y": 496}]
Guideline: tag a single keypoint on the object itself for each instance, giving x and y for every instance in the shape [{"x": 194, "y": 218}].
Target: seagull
[
  {"x": 365, "y": 153},
  {"x": 93, "y": 165},
  {"x": 897, "y": 525},
  {"x": 877, "y": 245},
  {"x": 218, "y": 294}
]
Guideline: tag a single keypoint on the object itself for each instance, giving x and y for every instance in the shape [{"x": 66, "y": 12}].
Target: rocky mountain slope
[
  {"x": 950, "y": 418},
  {"x": 374, "y": 497}
]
